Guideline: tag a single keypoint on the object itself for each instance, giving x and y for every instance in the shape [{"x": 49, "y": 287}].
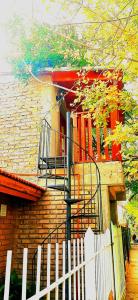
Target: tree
[
  {"x": 107, "y": 37},
  {"x": 108, "y": 31},
  {"x": 37, "y": 47},
  {"x": 100, "y": 99},
  {"x": 132, "y": 214}
]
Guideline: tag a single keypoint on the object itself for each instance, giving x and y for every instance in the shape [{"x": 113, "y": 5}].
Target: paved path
[{"x": 132, "y": 275}]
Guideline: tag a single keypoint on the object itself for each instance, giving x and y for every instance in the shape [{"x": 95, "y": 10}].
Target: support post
[
  {"x": 68, "y": 227},
  {"x": 75, "y": 137},
  {"x": 115, "y": 147},
  {"x": 68, "y": 196}
]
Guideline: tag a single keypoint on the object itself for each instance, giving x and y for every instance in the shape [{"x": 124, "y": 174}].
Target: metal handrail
[
  {"x": 98, "y": 186},
  {"x": 86, "y": 151},
  {"x": 77, "y": 144}
]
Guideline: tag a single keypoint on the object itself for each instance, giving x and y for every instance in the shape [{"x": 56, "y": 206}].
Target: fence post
[
  {"x": 38, "y": 274},
  {"x": 48, "y": 268},
  {"x": 112, "y": 250},
  {"x": 7, "y": 275},
  {"x": 24, "y": 274},
  {"x": 90, "y": 288}
]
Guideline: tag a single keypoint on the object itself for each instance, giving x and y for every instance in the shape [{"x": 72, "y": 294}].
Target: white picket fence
[{"x": 89, "y": 276}]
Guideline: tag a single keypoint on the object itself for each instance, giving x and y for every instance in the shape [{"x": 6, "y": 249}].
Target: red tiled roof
[
  {"x": 12, "y": 185},
  {"x": 19, "y": 179}
]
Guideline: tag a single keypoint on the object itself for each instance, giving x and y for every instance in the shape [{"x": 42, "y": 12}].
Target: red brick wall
[
  {"x": 34, "y": 220},
  {"x": 26, "y": 224},
  {"x": 7, "y": 229}
]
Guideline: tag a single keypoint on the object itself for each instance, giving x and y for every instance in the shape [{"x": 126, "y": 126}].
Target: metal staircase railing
[{"x": 79, "y": 183}]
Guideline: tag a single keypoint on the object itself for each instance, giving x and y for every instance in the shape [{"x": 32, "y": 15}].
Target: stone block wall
[{"x": 23, "y": 106}]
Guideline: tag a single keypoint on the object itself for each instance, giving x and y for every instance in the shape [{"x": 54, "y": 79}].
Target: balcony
[{"x": 91, "y": 138}]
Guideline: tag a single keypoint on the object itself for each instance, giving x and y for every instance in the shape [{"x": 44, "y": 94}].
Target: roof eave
[{"x": 13, "y": 186}]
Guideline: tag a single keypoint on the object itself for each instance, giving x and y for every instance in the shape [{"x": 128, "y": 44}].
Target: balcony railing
[{"x": 91, "y": 138}]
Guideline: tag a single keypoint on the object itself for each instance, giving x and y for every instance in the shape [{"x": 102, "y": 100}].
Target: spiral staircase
[{"x": 78, "y": 182}]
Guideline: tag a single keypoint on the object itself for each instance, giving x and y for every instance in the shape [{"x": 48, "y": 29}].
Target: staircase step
[
  {"x": 74, "y": 201},
  {"x": 60, "y": 187},
  {"x": 52, "y": 176},
  {"x": 51, "y": 166},
  {"x": 54, "y": 162},
  {"x": 42, "y": 166},
  {"x": 52, "y": 159},
  {"x": 85, "y": 216},
  {"x": 73, "y": 231}
]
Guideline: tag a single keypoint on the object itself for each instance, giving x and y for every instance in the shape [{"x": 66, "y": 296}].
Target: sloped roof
[{"x": 13, "y": 185}]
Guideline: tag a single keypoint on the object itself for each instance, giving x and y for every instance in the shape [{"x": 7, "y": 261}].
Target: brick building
[
  {"x": 23, "y": 107},
  {"x": 15, "y": 193}
]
